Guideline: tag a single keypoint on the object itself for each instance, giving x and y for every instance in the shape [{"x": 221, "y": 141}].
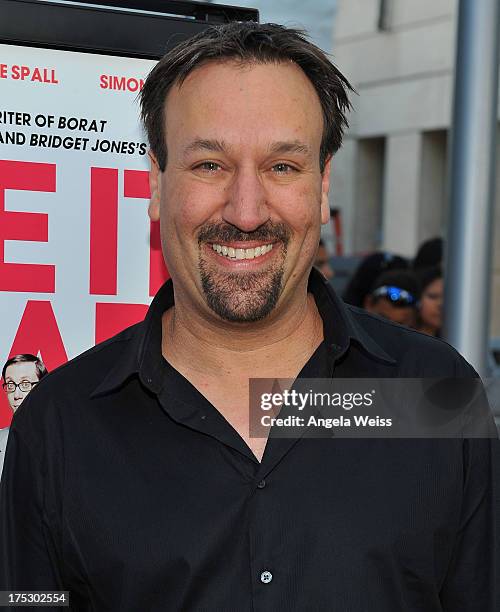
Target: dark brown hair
[
  {"x": 247, "y": 42},
  {"x": 40, "y": 368}
]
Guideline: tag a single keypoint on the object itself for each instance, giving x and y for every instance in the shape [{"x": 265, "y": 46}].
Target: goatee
[{"x": 243, "y": 297}]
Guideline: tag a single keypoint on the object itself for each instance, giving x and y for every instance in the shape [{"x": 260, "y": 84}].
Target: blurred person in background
[
  {"x": 430, "y": 306},
  {"x": 371, "y": 267},
  {"x": 394, "y": 296},
  {"x": 20, "y": 374},
  {"x": 322, "y": 261}
]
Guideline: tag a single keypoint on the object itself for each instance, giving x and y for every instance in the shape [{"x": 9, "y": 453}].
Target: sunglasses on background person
[{"x": 398, "y": 296}]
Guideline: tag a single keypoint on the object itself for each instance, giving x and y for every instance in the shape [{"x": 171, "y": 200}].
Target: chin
[
  {"x": 243, "y": 300},
  {"x": 241, "y": 297}
]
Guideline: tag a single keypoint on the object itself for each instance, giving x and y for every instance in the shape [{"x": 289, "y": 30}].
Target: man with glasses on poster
[{"x": 20, "y": 374}]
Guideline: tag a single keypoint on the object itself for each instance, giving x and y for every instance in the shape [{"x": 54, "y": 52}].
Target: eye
[
  {"x": 282, "y": 168},
  {"x": 208, "y": 167}
]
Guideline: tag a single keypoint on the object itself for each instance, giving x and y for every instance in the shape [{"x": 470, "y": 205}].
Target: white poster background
[{"x": 73, "y": 89}]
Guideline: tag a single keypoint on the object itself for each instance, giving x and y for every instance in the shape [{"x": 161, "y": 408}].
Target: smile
[{"x": 232, "y": 253}]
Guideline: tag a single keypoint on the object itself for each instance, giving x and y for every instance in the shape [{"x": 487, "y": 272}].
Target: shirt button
[
  {"x": 266, "y": 577},
  {"x": 261, "y": 484}
]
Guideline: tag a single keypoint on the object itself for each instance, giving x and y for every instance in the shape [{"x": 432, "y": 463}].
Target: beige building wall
[{"x": 389, "y": 179}]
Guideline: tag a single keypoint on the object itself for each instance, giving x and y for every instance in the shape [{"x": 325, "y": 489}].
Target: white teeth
[{"x": 239, "y": 254}]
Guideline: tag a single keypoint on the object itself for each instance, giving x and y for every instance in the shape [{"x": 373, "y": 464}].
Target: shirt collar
[
  {"x": 143, "y": 355},
  {"x": 340, "y": 324}
]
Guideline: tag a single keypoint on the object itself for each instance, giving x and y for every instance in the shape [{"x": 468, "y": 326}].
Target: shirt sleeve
[
  {"x": 28, "y": 553},
  {"x": 472, "y": 581}
]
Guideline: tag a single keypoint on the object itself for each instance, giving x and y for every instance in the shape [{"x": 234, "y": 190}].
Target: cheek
[
  {"x": 300, "y": 209},
  {"x": 188, "y": 206},
  {"x": 427, "y": 305},
  {"x": 428, "y": 308},
  {"x": 184, "y": 209}
]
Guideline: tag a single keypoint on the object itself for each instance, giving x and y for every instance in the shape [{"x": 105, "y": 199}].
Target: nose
[
  {"x": 18, "y": 394},
  {"x": 246, "y": 204}
]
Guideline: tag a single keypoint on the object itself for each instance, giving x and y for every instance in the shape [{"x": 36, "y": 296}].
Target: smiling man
[{"x": 140, "y": 485}]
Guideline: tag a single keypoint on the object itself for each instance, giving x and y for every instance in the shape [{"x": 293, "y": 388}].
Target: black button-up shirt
[{"x": 125, "y": 486}]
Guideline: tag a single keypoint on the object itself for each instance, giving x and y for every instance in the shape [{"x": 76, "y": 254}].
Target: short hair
[
  {"x": 40, "y": 368},
  {"x": 247, "y": 42}
]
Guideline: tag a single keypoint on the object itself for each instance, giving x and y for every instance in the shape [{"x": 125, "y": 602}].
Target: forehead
[
  {"x": 435, "y": 285},
  {"x": 25, "y": 370},
  {"x": 250, "y": 104}
]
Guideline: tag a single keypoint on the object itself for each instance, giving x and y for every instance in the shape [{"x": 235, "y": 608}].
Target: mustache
[{"x": 224, "y": 232}]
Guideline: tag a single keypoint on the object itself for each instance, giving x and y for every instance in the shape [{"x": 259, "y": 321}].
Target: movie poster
[{"x": 79, "y": 258}]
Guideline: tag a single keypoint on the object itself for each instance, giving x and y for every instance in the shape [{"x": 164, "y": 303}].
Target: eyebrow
[
  {"x": 219, "y": 146},
  {"x": 293, "y": 146},
  {"x": 202, "y": 144}
]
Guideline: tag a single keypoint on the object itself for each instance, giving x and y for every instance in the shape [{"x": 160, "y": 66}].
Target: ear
[
  {"x": 325, "y": 188},
  {"x": 155, "y": 188}
]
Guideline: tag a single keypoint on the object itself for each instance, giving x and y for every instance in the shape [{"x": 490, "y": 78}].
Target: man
[
  {"x": 141, "y": 488},
  {"x": 394, "y": 295},
  {"x": 20, "y": 374}
]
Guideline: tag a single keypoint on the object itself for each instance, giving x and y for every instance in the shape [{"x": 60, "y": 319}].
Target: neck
[{"x": 213, "y": 347}]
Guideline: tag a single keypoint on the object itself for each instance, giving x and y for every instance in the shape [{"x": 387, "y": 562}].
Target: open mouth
[{"x": 238, "y": 253}]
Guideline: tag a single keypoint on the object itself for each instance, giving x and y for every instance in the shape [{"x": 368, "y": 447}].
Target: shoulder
[
  {"x": 71, "y": 385},
  {"x": 85, "y": 371},
  {"x": 416, "y": 354}
]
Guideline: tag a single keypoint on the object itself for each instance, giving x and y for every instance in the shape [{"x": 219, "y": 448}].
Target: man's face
[
  {"x": 242, "y": 196},
  {"x": 17, "y": 373}
]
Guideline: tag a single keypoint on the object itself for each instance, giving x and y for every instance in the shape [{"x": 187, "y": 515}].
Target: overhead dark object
[{"x": 135, "y": 28}]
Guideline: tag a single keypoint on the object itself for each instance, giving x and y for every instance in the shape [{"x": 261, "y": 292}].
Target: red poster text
[
  {"x": 120, "y": 83},
  {"x": 25, "y": 226}
]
